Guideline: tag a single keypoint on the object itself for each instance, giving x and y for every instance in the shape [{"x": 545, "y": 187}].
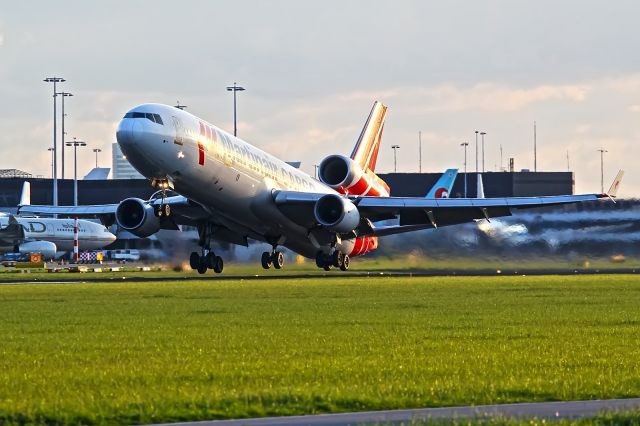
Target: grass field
[
  {"x": 151, "y": 352},
  {"x": 373, "y": 265}
]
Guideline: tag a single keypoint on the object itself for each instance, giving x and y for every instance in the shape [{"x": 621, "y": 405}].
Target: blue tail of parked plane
[{"x": 443, "y": 186}]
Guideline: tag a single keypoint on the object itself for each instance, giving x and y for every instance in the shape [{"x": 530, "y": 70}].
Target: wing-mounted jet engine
[{"x": 138, "y": 217}]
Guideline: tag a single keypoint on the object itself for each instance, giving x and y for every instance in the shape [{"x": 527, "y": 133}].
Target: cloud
[
  {"x": 634, "y": 108},
  {"x": 495, "y": 97}
]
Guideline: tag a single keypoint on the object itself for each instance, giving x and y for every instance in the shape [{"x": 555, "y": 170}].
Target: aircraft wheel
[
  {"x": 278, "y": 259},
  {"x": 320, "y": 260},
  {"x": 337, "y": 258},
  {"x": 345, "y": 263},
  {"x": 219, "y": 265},
  {"x": 202, "y": 266},
  {"x": 210, "y": 260},
  {"x": 194, "y": 260},
  {"x": 166, "y": 210},
  {"x": 265, "y": 260},
  {"x": 158, "y": 211},
  {"x": 327, "y": 267}
]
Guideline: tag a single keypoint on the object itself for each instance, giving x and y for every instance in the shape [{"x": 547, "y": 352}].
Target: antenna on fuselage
[{"x": 180, "y": 106}]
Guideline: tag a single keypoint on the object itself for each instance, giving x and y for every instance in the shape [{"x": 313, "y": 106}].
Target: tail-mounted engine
[
  {"x": 137, "y": 217},
  {"x": 347, "y": 177}
]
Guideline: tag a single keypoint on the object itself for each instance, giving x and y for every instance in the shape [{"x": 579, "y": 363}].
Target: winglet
[
  {"x": 25, "y": 197},
  {"x": 613, "y": 189}
]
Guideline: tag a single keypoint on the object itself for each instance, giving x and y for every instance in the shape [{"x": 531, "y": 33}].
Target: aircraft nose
[{"x": 128, "y": 132}]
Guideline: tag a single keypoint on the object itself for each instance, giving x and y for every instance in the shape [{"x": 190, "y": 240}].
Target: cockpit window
[{"x": 149, "y": 116}]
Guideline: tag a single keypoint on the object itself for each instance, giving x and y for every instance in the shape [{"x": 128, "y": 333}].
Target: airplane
[
  {"x": 232, "y": 191},
  {"x": 50, "y": 236}
]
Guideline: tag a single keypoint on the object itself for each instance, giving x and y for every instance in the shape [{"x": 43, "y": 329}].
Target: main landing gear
[
  {"x": 337, "y": 259},
  {"x": 207, "y": 260},
  {"x": 274, "y": 257}
]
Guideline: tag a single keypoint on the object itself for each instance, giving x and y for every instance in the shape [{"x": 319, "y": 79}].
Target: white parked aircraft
[
  {"x": 50, "y": 236},
  {"x": 233, "y": 191}
]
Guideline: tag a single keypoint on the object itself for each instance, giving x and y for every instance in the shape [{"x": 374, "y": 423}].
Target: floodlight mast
[
  {"x": 75, "y": 144},
  {"x": 55, "y": 81},
  {"x": 235, "y": 88}
]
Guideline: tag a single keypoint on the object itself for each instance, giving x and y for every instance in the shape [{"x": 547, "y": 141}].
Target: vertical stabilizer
[
  {"x": 480, "y": 189},
  {"x": 443, "y": 186},
  {"x": 25, "y": 197},
  {"x": 365, "y": 153}
]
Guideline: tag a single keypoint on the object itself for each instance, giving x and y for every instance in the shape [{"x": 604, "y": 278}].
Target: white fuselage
[
  {"x": 91, "y": 235},
  {"x": 231, "y": 178}
]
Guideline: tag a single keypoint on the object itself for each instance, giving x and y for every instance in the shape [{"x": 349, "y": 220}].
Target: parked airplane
[
  {"x": 442, "y": 187},
  {"x": 233, "y": 191},
  {"x": 50, "y": 236}
]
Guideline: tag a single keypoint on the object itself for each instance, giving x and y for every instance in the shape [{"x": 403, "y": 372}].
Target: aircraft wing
[
  {"x": 80, "y": 211},
  {"x": 183, "y": 211},
  {"x": 422, "y": 213}
]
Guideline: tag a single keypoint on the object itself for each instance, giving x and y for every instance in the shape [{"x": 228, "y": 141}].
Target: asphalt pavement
[{"x": 540, "y": 410}]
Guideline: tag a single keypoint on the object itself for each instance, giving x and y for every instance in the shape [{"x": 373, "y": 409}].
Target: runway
[
  {"x": 78, "y": 278},
  {"x": 546, "y": 410}
]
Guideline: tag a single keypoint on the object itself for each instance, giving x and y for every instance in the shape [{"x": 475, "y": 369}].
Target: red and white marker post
[{"x": 76, "y": 253}]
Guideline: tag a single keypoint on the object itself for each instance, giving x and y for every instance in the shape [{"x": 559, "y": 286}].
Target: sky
[{"x": 312, "y": 71}]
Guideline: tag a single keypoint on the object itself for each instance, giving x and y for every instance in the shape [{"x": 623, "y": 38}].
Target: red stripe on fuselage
[{"x": 200, "y": 154}]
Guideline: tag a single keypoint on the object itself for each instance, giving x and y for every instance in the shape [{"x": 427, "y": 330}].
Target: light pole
[
  {"x": 602, "y": 151},
  {"x": 64, "y": 95},
  {"x": 395, "y": 163},
  {"x": 482, "y": 134},
  {"x": 55, "y": 81},
  {"x": 235, "y": 88},
  {"x": 465, "y": 145},
  {"x": 315, "y": 171},
  {"x": 477, "y": 151},
  {"x": 75, "y": 144},
  {"x": 51, "y": 151},
  {"x": 420, "y": 151},
  {"x": 97, "y": 150}
]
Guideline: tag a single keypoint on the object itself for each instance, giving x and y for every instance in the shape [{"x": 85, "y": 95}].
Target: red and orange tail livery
[{"x": 355, "y": 174}]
